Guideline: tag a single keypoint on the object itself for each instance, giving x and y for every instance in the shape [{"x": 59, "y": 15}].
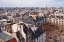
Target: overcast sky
[{"x": 31, "y": 3}]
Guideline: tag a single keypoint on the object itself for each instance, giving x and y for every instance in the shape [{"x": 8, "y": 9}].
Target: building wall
[
  {"x": 57, "y": 21},
  {"x": 41, "y": 38},
  {"x": 14, "y": 28},
  {"x": 22, "y": 32}
]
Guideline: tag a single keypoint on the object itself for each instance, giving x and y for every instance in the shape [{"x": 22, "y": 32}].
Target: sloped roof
[{"x": 5, "y": 36}]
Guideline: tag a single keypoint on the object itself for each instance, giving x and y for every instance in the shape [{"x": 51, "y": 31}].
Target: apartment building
[
  {"x": 57, "y": 18},
  {"x": 28, "y": 32}
]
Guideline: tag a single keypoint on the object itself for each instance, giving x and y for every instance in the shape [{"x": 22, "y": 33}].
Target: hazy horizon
[{"x": 31, "y": 3}]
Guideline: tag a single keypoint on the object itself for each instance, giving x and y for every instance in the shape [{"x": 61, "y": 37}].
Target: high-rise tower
[{"x": 46, "y": 7}]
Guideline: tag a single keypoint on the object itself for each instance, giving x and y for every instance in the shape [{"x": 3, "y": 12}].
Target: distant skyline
[{"x": 31, "y": 3}]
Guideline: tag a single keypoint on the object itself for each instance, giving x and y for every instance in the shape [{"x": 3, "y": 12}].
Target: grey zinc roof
[
  {"x": 5, "y": 36},
  {"x": 1, "y": 25}
]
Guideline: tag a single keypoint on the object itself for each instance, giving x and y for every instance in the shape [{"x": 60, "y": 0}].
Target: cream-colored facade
[{"x": 57, "y": 19}]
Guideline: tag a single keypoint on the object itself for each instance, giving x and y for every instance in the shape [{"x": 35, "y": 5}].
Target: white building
[{"x": 57, "y": 18}]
